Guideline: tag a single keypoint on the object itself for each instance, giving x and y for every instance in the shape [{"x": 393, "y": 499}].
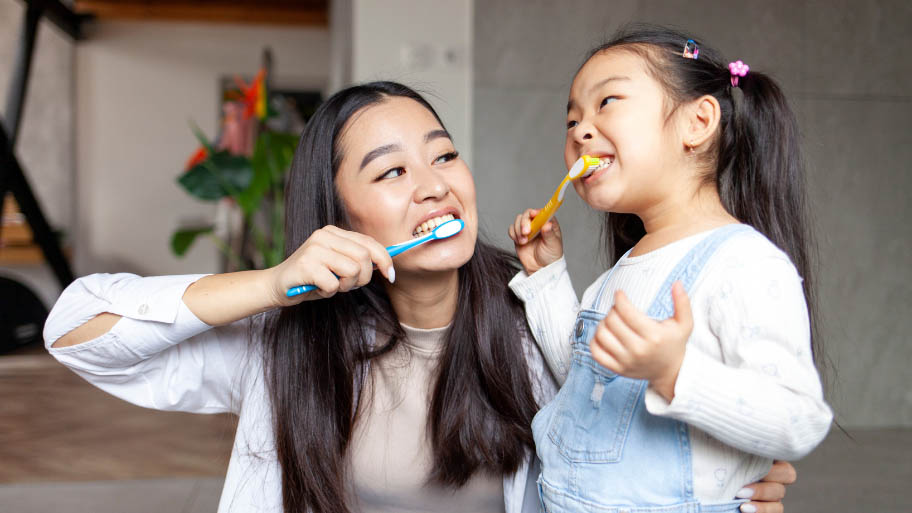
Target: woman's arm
[{"x": 335, "y": 260}]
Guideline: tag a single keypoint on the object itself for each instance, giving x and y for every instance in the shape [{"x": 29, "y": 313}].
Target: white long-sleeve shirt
[
  {"x": 160, "y": 355},
  {"x": 747, "y": 386}
]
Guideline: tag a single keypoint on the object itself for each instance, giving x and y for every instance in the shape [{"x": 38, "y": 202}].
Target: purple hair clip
[{"x": 737, "y": 69}]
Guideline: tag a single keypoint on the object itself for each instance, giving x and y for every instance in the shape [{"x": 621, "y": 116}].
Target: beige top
[{"x": 391, "y": 455}]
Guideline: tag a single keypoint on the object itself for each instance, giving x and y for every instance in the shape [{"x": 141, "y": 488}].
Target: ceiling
[{"x": 279, "y": 12}]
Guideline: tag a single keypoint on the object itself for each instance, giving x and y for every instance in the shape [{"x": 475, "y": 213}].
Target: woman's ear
[{"x": 702, "y": 121}]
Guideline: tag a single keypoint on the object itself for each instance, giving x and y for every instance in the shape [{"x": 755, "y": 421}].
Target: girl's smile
[{"x": 616, "y": 110}]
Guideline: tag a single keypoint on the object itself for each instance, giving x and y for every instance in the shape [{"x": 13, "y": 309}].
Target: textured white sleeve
[
  {"x": 551, "y": 308},
  {"x": 159, "y": 354},
  {"x": 765, "y": 396}
]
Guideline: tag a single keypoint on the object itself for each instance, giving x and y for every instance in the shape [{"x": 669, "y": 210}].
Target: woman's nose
[{"x": 430, "y": 185}]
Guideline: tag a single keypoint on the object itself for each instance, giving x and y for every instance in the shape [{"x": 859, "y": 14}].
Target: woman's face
[{"x": 400, "y": 171}]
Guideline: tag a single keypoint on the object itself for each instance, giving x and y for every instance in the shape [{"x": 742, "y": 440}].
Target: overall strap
[
  {"x": 688, "y": 268},
  {"x": 597, "y": 303}
]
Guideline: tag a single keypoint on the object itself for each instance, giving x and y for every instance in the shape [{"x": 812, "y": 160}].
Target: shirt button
[
  {"x": 579, "y": 328},
  {"x": 143, "y": 309}
]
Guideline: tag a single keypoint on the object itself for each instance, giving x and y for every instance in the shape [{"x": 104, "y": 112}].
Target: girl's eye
[
  {"x": 607, "y": 100},
  {"x": 446, "y": 157},
  {"x": 392, "y": 173},
  {"x": 571, "y": 124}
]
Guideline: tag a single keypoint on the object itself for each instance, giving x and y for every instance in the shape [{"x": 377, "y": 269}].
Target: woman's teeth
[{"x": 429, "y": 225}]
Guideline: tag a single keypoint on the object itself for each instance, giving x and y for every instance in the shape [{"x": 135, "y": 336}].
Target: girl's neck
[
  {"x": 425, "y": 300},
  {"x": 680, "y": 216}
]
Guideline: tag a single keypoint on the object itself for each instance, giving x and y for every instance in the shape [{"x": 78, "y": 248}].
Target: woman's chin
[{"x": 438, "y": 257}]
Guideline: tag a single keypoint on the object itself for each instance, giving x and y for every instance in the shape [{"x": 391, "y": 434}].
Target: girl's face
[
  {"x": 617, "y": 110},
  {"x": 400, "y": 171}
]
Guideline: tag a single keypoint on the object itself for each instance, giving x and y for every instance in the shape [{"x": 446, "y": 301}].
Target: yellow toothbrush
[{"x": 585, "y": 166}]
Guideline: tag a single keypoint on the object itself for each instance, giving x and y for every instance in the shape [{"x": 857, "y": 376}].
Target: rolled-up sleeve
[{"x": 159, "y": 354}]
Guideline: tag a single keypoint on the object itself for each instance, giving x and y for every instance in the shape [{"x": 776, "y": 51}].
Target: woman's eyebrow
[
  {"x": 377, "y": 152},
  {"x": 436, "y": 134}
]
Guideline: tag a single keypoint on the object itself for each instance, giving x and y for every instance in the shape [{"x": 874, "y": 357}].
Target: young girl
[{"x": 666, "y": 406}]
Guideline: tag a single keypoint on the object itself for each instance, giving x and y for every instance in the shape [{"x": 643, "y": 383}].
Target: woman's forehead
[{"x": 394, "y": 120}]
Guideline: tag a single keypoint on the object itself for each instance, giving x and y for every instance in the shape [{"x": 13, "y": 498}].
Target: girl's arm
[
  {"x": 551, "y": 309},
  {"x": 545, "y": 288},
  {"x": 752, "y": 383}
]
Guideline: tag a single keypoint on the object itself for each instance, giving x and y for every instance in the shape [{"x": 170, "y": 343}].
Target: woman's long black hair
[
  {"x": 482, "y": 403},
  {"x": 755, "y": 161}
]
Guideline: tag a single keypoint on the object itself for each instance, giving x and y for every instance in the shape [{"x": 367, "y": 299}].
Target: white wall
[
  {"x": 138, "y": 84},
  {"x": 424, "y": 44}
]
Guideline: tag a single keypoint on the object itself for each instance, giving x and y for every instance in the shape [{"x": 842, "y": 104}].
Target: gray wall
[{"x": 846, "y": 69}]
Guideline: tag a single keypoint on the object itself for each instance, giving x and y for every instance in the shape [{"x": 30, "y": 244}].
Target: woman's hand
[
  {"x": 630, "y": 343},
  {"x": 766, "y": 496},
  {"x": 333, "y": 259},
  {"x": 545, "y": 249}
]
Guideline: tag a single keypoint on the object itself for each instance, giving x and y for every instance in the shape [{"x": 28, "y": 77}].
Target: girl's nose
[
  {"x": 430, "y": 185},
  {"x": 582, "y": 132}
]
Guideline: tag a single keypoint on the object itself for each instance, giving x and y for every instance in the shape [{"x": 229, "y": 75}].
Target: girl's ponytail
[{"x": 760, "y": 175}]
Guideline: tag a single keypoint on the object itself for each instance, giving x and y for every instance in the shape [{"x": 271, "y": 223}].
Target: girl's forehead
[{"x": 615, "y": 63}]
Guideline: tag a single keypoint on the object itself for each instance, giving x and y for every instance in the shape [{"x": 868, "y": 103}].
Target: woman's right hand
[
  {"x": 333, "y": 259},
  {"x": 541, "y": 251}
]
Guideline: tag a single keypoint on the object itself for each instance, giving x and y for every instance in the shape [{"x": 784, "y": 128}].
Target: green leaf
[
  {"x": 181, "y": 240},
  {"x": 272, "y": 155},
  {"x": 201, "y": 137},
  {"x": 222, "y": 174}
]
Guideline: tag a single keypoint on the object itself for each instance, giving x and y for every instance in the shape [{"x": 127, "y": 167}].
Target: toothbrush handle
[
  {"x": 405, "y": 246},
  {"x": 300, "y": 289},
  {"x": 557, "y": 199}
]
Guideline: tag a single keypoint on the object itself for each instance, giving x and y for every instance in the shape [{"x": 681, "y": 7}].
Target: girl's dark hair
[
  {"x": 755, "y": 161},
  {"x": 314, "y": 353}
]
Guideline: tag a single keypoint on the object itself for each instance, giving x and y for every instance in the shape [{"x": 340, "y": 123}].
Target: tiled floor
[{"x": 65, "y": 446}]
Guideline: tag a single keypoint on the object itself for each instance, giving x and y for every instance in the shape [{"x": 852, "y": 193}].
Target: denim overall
[{"x": 601, "y": 451}]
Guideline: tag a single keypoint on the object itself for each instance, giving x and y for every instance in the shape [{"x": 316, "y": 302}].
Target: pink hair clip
[{"x": 737, "y": 69}]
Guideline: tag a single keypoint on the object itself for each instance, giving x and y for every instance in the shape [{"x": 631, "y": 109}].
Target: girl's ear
[{"x": 702, "y": 121}]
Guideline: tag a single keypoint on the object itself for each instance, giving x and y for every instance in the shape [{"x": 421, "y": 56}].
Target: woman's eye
[
  {"x": 392, "y": 173},
  {"x": 571, "y": 124},
  {"x": 607, "y": 100},
  {"x": 446, "y": 157}
]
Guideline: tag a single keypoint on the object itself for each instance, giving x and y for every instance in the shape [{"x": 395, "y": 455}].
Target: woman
[{"x": 410, "y": 388}]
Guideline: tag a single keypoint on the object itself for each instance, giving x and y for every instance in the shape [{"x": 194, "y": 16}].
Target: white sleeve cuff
[
  {"x": 526, "y": 286},
  {"x": 155, "y": 298},
  {"x": 692, "y": 367}
]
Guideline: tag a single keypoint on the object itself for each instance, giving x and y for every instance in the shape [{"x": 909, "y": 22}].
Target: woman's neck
[
  {"x": 682, "y": 215},
  {"x": 426, "y": 300}
]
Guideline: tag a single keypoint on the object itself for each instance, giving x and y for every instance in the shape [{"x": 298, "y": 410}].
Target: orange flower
[{"x": 199, "y": 156}]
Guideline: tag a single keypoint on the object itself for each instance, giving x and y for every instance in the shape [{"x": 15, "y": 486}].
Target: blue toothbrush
[{"x": 443, "y": 231}]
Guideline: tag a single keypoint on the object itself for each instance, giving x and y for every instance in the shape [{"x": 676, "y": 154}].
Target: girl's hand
[
  {"x": 545, "y": 249},
  {"x": 631, "y": 344},
  {"x": 766, "y": 496},
  {"x": 333, "y": 259}
]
